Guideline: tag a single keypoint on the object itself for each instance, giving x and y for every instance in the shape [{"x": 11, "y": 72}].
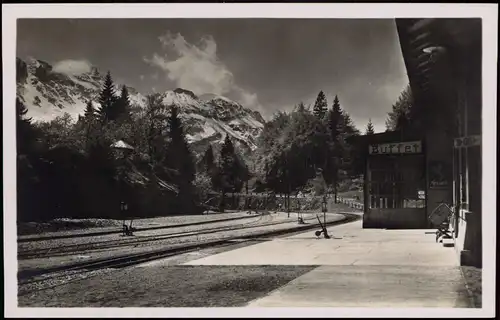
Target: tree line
[
  {"x": 69, "y": 169},
  {"x": 307, "y": 150}
]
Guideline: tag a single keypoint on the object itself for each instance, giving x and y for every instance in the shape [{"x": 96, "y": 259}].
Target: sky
[{"x": 265, "y": 64}]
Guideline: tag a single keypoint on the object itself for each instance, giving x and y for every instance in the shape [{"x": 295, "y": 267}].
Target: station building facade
[{"x": 409, "y": 174}]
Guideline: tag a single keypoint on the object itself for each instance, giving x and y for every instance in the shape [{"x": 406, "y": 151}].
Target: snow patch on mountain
[{"x": 207, "y": 119}]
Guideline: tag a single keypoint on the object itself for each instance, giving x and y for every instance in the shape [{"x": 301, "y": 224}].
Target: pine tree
[
  {"x": 178, "y": 154},
  {"x": 154, "y": 120},
  {"x": 301, "y": 108},
  {"x": 89, "y": 118},
  {"x": 336, "y": 148},
  {"x": 226, "y": 171},
  {"x": 227, "y": 149},
  {"x": 226, "y": 164},
  {"x": 29, "y": 194},
  {"x": 179, "y": 165},
  {"x": 349, "y": 152},
  {"x": 369, "y": 127},
  {"x": 25, "y": 131},
  {"x": 89, "y": 113},
  {"x": 399, "y": 117},
  {"x": 232, "y": 170},
  {"x": 320, "y": 106},
  {"x": 208, "y": 159},
  {"x": 123, "y": 105},
  {"x": 335, "y": 119},
  {"x": 348, "y": 127},
  {"x": 107, "y": 99}
]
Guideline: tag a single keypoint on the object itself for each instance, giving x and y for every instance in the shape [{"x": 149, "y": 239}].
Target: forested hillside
[{"x": 77, "y": 169}]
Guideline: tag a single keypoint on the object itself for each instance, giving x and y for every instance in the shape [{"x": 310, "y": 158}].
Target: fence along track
[{"x": 277, "y": 198}]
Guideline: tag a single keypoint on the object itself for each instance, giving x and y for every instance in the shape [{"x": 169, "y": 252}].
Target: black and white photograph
[{"x": 275, "y": 160}]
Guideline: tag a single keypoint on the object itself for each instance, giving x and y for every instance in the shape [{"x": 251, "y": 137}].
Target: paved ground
[
  {"x": 372, "y": 287},
  {"x": 349, "y": 245},
  {"x": 358, "y": 268}
]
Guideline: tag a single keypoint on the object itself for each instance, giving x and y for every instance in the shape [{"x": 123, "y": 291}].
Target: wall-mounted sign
[
  {"x": 421, "y": 194},
  {"x": 469, "y": 141},
  {"x": 438, "y": 175},
  {"x": 396, "y": 148}
]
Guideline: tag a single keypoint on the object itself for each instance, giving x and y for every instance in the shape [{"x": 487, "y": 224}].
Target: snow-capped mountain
[{"x": 48, "y": 94}]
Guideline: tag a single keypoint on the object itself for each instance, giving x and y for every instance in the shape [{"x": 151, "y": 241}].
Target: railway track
[
  {"x": 32, "y": 238},
  {"x": 108, "y": 244},
  {"x": 28, "y": 277}
]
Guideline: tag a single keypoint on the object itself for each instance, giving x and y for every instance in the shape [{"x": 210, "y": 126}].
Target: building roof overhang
[{"x": 425, "y": 42}]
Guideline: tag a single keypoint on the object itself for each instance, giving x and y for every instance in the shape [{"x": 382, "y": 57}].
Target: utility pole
[
  {"x": 324, "y": 210},
  {"x": 123, "y": 149},
  {"x": 287, "y": 187}
]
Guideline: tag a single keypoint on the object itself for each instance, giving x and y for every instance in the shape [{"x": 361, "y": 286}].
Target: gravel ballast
[
  {"x": 68, "y": 227},
  {"x": 155, "y": 245}
]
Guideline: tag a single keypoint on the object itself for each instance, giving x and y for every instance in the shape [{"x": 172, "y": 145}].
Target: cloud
[
  {"x": 74, "y": 67},
  {"x": 247, "y": 98},
  {"x": 141, "y": 77},
  {"x": 197, "y": 68}
]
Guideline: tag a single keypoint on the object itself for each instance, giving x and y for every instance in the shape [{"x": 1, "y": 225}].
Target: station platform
[{"x": 357, "y": 267}]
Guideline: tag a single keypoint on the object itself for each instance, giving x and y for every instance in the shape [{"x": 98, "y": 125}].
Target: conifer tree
[
  {"x": 208, "y": 159},
  {"x": 348, "y": 127},
  {"x": 178, "y": 154},
  {"x": 227, "y": 165},
  {"x": 89, "y": 118},
  {"x": 349, "y": 152},
  {"x": 178, "y": 164},
  {"x": 107, "y": 99},
  {"x": 154, "y": 120},
  {"x": 335, "y": 119},
  {"x": 24, "y": 128},
  {"x": 399, "y": 117},
  {"x": 369, "y": 127},
  {"x": 336, "y": 147},
  {"x": 320, "y": 106},
  {"x": 301, "y": 108},
  {"x": 89, "y": 113},
  {"x": 233, "y": 172},
  {"x": 123, "y": 105}
]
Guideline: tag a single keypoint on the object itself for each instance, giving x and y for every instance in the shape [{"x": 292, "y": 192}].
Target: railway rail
[
  {"x": 35, "y": 238},
  {"x": 123, "y": 242},
  {"x": 29, "y": 277}
]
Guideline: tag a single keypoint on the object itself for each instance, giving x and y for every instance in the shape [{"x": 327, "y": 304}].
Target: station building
[{"x": 410, "y": 172}]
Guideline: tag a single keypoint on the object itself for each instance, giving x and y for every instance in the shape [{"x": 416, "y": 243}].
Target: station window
[{"x": 396, "y": 183}]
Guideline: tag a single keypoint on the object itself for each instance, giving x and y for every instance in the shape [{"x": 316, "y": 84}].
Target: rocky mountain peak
[
  {"x": 187, "y": 92},
  {"x": 48, "y": 94}
]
